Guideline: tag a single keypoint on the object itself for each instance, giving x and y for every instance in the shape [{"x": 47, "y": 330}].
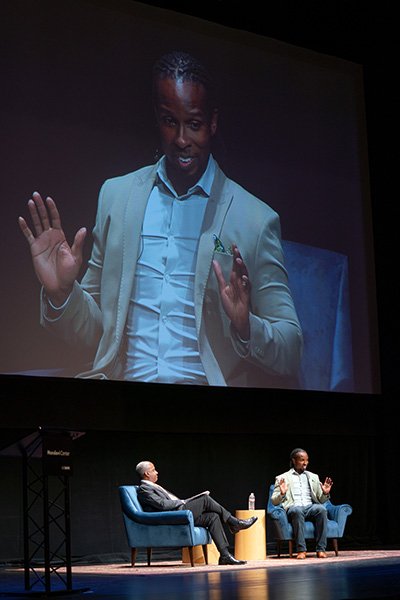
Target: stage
[{"x": 354, "y": 574}]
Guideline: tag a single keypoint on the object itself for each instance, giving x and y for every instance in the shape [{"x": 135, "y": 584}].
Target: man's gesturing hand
[
  {"x": 283, "y": 486},
  {"x": 56, "y": 263},
  {"x": 235, "y": 295},
  {"x": 326, "y": 486}
]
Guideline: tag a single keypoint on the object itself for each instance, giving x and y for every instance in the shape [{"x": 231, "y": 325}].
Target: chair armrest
[
  {"x": 168, "y": 517},
  {"x": 335, "y": 512},
  {"x": 339, "y": 513},
  {"x": 278, "y": 515}
]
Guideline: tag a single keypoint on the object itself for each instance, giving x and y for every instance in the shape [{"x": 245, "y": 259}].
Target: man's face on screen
[{"x": 186, "y": 128}]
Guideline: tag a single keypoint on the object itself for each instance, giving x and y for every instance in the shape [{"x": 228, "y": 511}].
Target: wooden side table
[{"x": 251, "y": 544}]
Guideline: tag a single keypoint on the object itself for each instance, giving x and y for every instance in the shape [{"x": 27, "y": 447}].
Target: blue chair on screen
[
  {"x": 166, "y": 529},
  {"x": 279, "y": 528},
  {"x": 319, "y": 283}
]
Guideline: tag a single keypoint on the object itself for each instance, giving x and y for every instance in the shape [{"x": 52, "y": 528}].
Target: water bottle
[{"x": 252, "y": 501}]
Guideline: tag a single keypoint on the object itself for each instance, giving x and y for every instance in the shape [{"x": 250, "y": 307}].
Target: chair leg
[
  {"x": 205, "y": 552},
  {"x": 190, "y": 548},
  {"x": 133, "y": 556},
  {"x": 278, "y": 547},
  {"x": 290, "y": 548},
  {"x": 335, "y": 546},
  {"x": 149, "y": 556}
]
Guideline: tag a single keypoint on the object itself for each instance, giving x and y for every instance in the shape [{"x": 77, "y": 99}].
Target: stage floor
[{"x": 352, "y": 575}]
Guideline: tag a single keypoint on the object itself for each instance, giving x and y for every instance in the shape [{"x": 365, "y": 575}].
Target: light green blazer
[
  {"x": 97, "y": 309},
  {"x": 317, "y": 495}
]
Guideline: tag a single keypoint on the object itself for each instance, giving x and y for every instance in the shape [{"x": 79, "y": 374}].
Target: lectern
[{"x": 46, "y": 468}]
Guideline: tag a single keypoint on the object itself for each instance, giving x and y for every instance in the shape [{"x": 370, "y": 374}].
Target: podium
[{"x": 46, "y": 468}]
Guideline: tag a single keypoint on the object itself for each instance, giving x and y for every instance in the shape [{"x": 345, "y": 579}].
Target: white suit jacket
[{"x": 96, "y": 312}]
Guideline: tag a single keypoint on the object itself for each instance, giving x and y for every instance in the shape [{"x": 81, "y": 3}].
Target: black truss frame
[
  {"x": 46, "y": 517},
  {"x": 55, "y": 515}
]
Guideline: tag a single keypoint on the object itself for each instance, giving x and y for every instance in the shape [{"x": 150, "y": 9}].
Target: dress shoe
[
  {"x": 301, "y": 555},
  {"x": 322, "y": 555},
  {"x": 236, "y": 525},
  {"x": 227, "y": 559}
]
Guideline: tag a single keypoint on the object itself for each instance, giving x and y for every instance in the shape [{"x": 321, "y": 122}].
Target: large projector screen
[{"x": 77, "y": 110}]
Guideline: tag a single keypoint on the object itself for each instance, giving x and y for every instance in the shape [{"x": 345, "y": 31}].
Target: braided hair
[
  {"x": 293, "y": 455},
  {"x": 180, "y": 66}
]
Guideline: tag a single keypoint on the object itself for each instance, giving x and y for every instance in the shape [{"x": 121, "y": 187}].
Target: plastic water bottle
[{"x": 252, "y": 501}]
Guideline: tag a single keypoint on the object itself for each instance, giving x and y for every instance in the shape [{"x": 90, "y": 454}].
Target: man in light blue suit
[{"x": 186, "y": 282}]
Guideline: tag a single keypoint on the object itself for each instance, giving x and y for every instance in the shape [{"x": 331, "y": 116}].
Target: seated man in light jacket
[{"x": 302, "y": 496}]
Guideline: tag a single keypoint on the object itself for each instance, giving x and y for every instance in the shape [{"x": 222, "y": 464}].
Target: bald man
[{"x": 206, "y": 511}]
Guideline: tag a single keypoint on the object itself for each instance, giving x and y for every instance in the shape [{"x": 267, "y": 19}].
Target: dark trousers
[
  {"x": 297, "y": 515},
  {"x": 208, "y": 513}
]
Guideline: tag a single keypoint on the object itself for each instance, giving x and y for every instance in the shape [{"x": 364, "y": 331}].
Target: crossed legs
[{"x": 208, "y": 513}]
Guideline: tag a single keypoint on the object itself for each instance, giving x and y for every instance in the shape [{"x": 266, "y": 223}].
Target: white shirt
[
  {"x": 161, "y": 330},
  {"x": 301, "y": 489}
]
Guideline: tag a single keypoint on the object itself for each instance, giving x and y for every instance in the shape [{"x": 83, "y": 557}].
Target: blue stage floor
[{"x": 362, "y": 580}]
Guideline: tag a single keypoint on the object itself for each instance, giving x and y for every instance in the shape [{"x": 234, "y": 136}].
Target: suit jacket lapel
[
  {"x": 291, "y": 484},
  {"x": 310, "y": 483},
  {"x": 217, "y": 207},
  {"x": 131, "y": 230}
]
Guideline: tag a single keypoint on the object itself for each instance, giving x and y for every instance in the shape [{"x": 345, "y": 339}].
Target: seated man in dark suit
[{"x": 206, "y": 511}]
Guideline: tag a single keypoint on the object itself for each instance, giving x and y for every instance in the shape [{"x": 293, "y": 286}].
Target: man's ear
[{"x": 214, "y": 121}]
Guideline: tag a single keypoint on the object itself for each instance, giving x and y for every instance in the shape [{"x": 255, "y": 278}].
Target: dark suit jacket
[{"x": 154, "y": 499}]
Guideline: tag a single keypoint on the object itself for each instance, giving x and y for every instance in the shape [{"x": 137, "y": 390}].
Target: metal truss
[{"x": 47, "y": 545}]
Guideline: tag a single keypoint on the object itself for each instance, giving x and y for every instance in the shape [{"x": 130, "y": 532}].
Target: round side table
[{"x": 251, "y": 544}]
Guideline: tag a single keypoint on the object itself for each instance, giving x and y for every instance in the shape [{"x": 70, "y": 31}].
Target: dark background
[{"x": 238, "y": 441}]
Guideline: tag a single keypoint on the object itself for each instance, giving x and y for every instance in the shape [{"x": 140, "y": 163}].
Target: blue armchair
[
  {"x": 279, "y": 528},
  {"x": 319, "y": 282},
  {"x": 159, "y": 529}
]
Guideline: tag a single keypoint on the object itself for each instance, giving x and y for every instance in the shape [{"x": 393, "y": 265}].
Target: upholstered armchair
[
  {"x": 279, "y": 528},
  {"x": 159, "y": 529},
  {"x": 319, "y": 283}
]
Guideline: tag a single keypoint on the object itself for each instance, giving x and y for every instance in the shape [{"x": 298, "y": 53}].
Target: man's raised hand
[
  {"x": 283, "y": 486},
  {"x": 56, "y": 263},
  {"x": 235, "y": 295},
  {"x": 326, "y": 486}
]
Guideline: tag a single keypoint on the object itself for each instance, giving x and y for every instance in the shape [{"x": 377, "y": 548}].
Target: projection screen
[{"x": 77, "y": 111}]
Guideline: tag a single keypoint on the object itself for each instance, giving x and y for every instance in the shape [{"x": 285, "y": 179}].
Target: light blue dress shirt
[{"x": 161, "y": 334}]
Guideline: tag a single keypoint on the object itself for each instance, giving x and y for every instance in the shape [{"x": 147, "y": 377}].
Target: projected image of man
[{"x": 186, "y": 282}]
